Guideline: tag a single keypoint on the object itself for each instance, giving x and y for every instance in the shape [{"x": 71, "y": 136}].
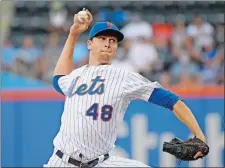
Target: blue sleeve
[
  {"x": 56, "y": 84},
  {"x": 163, "y": 98}
]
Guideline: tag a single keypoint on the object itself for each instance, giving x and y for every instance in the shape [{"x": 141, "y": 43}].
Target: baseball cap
[{"x": 101, "y": 27}]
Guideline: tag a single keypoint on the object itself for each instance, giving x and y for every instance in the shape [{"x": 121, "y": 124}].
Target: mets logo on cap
[{"x": 109, "y": 24}]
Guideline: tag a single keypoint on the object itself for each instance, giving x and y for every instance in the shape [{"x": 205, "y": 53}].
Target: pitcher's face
[{"x": 103, "y": 47}]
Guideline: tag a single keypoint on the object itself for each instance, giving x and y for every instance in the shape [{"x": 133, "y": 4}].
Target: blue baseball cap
[{"x": 101, "y": 27}]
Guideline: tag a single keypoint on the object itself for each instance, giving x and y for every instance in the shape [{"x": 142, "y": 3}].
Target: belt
[{"x": 80, "y": 164}]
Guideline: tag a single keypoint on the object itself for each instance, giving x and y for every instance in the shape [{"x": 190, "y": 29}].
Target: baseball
[{"x": 82, "y": 16}]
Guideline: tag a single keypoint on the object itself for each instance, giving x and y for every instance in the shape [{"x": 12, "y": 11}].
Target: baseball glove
[{"x": 185, "y": 151}]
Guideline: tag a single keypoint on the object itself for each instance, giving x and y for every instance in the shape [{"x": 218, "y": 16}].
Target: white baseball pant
[{"x": 112, "y": 161}]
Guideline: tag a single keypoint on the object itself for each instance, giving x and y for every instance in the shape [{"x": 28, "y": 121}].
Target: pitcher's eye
[
  {"x": 112, "y": 40},
  {"x": 102, "y": 38}
]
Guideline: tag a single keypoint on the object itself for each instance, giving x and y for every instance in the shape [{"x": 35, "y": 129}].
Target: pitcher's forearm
[
  {"x": 64, "y": 65},
  {"x": 185, "y": 115}
]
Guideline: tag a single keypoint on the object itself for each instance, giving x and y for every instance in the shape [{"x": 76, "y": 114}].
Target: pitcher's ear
[{"x": 89, "y": 44}]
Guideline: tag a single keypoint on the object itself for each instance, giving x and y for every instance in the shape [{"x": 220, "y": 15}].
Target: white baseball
[{"x": 82, "y": 16}]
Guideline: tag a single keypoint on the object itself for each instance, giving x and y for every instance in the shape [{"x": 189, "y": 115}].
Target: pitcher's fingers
[
  {"x": 198, "y": 154},
  {"x": 75, "y": 25},
  {"x": 90, "y": 17}
]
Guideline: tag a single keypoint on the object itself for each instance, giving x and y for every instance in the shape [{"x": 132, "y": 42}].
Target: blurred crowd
[{"x": 177, "y": 53}]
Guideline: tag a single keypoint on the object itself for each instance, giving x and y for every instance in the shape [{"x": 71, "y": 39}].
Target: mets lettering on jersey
[
  {"x": 96, "y": 99},
  {"x": 83, "y": 88}
]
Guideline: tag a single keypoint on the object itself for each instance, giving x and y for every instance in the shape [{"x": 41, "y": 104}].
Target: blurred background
[{"x": 180, "y": 44}]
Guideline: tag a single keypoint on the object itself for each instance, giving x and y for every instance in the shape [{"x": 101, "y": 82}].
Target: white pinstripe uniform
[{"x": 92, "y": 112}]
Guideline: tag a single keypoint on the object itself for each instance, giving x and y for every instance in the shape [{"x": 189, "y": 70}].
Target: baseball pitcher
[{"x": 96, "y": 98}]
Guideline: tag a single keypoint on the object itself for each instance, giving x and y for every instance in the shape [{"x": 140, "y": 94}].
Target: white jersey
[{"x": 96, "y": 100}]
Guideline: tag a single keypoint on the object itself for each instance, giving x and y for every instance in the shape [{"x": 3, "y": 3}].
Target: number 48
[{"x": 106, "y": 112}]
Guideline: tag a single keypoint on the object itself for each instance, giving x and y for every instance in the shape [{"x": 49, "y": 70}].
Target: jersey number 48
[{"x": 106, "y": 112}]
